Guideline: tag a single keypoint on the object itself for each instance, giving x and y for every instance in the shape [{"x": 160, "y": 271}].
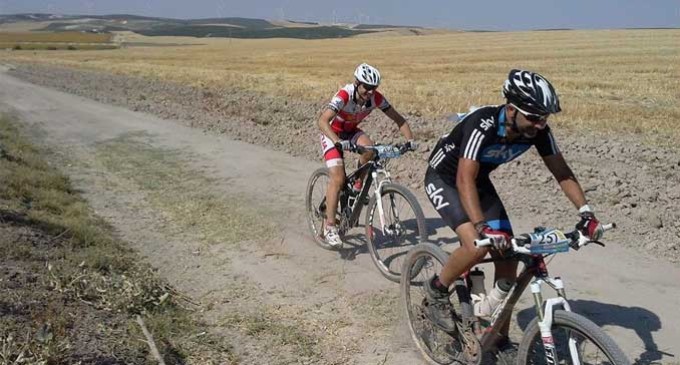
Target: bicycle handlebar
[
  {"x": 546, "y": 241},
  {"x": 383, "y": 151}
]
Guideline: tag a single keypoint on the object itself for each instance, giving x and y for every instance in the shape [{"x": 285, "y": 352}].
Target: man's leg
[
  {"x": 504, "y": 270},
  {"x": 445, "y": 199},
  {"x": 362, "y": 139},
  {"x": 497, "y": 218},
  {"x": 464, "y": 257},
  {"x": 336, "y": 171},
  {"x": 337, "y": 178}
]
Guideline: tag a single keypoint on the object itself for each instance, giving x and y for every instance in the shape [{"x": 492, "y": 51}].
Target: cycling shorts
[
  {"x": 332, "y": 155},
  {"x": 446, "y": 200}
]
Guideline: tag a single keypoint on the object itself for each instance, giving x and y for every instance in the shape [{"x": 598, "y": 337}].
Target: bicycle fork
[
  {"x": 378, "y": 196},
  {"x": 545, "y": 318}
]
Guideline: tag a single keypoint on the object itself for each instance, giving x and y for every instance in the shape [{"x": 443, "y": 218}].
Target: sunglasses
[
  {"x": 369, "y": 87},
  {"x": 533, "y": 118}
]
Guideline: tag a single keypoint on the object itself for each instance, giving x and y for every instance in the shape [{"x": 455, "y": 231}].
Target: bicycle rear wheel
[
  {"x": 577, "y": 340},
  {"x": 404, "y": 227},
  {"x": 436, "y": 345},
  {"x": 315, "y": 203}
]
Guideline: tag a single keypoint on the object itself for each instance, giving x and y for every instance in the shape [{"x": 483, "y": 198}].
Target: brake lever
[{"x": 583, "y": 240}]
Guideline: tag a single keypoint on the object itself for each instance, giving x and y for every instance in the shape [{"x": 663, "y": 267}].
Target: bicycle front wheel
[
  {"x": 401, "y": 227},
  {"x": 577, "y": 340}
]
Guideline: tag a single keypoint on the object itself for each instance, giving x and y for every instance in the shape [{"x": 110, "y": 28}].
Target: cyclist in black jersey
[{"x": 458, "y": 185}]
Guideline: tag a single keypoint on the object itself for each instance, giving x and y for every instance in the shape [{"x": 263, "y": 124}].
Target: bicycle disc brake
[{"x": 395, "y": 230}]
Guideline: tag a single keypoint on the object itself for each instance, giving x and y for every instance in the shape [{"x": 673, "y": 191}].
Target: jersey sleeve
[
  {"x": 545, "y": 143},
  {"x": 477, "y": 132},
  {"x": 381, "y": 102},
  {"x": 339, "y": 100}
]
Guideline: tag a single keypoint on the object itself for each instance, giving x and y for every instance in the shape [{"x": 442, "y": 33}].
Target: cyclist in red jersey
[{"x": 339, "y": 127}]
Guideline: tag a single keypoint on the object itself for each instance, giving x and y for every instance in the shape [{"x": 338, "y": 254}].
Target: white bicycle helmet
[
  {"x": 367, "y": 74},
  {"x": 531, "y": 92}
]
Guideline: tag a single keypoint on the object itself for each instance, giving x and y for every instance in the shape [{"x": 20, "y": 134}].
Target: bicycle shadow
[
  {"x": 433, "y": 225},
  {"x": 355, "y": 243},
  {"x": 640, "y": 320}
]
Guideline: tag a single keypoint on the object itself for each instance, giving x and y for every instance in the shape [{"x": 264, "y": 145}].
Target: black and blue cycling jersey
[{"x": 481, "y": 136}]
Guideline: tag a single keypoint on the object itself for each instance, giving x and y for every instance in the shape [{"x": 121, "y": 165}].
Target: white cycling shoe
[{"x": 332, "y": 236}]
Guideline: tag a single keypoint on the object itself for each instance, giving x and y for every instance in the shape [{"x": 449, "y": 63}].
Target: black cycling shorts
[{"x": 445, "y": 199}]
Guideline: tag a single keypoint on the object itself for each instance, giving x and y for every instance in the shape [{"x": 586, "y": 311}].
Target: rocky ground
[{"x": 627, "y": 181}]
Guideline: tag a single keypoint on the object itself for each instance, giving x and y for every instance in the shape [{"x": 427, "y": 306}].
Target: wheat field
[{"x": 608, "y": 80}]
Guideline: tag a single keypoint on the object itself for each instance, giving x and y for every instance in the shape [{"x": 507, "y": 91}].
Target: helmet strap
[{"x": 513, "y": 126}]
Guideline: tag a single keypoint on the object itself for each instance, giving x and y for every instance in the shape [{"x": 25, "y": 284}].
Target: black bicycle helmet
[{"x": 531, "y": 92}]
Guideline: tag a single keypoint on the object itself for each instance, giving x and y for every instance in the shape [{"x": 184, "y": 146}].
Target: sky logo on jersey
[
  {"x": 435, "y": 196},
  {"x": 487, "y": 123},
  {"x": 502, "y": 153}
]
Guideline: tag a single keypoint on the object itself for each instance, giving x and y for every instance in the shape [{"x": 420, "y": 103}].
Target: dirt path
[{"x": 222, "y": 220}]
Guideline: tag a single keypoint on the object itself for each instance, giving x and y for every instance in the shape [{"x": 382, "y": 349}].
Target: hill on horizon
[{"x": 228, "y": 27}]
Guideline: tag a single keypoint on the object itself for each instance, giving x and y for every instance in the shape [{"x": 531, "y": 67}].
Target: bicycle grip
[{"x": 483, "y": 242}]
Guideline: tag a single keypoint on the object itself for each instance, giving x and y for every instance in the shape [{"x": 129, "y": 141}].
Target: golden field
[{"x": 608, "y": 80}]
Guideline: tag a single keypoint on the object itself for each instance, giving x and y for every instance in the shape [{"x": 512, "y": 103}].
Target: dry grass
[
  {"x": 53, "y": 37},
  {"x": 619, "y": 80},
  {"x": 69, "y": 285},
  {"x": 185, "y": 197}
]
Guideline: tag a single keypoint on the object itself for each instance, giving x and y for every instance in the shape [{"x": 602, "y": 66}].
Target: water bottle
[
  {"x": 486, "y": 307},
  {"x": 477, "y": 293},
  {"x": 477, "y": 282}
]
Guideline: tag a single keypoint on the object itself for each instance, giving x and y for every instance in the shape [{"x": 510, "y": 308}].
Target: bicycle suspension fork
[
  {"x": 545, "y": 317},
  {"x": 375, "y": 174}
]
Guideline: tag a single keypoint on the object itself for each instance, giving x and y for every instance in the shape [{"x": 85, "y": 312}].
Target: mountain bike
[
  {"x": 394, "y": 219},
  {"x": 556, "y": 336}
]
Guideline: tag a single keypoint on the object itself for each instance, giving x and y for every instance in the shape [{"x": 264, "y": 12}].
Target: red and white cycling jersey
[{"x": 350, "y": 113}]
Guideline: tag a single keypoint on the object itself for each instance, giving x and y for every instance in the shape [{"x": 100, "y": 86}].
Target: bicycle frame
[
  {"x": 534, "y": 275},
  {"x": 377, "y": 176}
]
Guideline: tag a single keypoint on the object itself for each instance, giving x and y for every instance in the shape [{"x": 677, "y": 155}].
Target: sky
[{"x": 452, "y": 14}]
